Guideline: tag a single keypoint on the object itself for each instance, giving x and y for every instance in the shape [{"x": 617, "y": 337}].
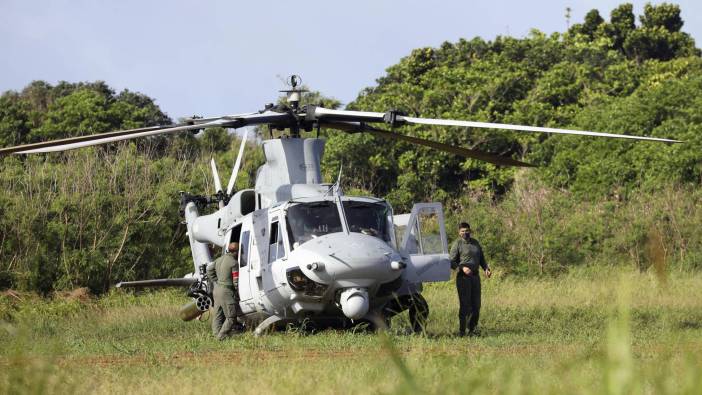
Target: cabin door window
[{"x": 244, "y": 249}]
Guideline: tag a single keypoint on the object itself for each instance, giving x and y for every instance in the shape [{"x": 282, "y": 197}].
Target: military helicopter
[{"x": 308, "y": 253}]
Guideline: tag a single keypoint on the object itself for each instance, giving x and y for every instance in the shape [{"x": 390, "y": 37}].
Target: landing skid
[{"x": 266, "y": 324}]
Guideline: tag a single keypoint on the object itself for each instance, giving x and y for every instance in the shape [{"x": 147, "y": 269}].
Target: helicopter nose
[{"x": 351, "y": 260}]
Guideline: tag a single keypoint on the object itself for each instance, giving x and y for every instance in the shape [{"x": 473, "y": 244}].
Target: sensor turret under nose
[{"x": 354, "y": 302}]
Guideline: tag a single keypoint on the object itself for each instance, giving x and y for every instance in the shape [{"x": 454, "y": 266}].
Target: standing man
[
  {"x": 224, "y": 275},
  {"x": 467, "y": 256}
]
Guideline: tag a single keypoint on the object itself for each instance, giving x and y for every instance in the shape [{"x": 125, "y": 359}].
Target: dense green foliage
[
  {"x": 42, "y": 112},
  {"x": 93, "y": 218},
  {"x": 96, "y": 216},
  {"x": 538, "y": 229},
  {"x": 604, "y": 76}
]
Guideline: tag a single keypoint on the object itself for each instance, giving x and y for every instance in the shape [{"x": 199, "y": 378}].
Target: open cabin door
[
  {"x": 424, "y": 243},
  {"x": 243, "y": 234}
]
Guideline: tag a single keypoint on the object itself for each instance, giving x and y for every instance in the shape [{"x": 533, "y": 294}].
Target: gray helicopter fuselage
[{"x": 308, "y": 252}]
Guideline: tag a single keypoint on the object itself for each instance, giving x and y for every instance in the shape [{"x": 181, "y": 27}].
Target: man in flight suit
[
  {"x": 467, "y": 256},
  {"x": 224, "y": 275}
]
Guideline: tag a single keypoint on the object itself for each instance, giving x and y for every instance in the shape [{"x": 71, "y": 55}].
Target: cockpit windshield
[
  {"x": 309, "y": 220},
  {"x": 367, "y": 218}
]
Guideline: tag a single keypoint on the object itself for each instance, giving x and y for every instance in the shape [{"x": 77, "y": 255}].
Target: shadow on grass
[{"x": 685, "y": 324}]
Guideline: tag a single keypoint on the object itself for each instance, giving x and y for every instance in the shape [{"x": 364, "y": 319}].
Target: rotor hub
[{"x": 294, "y": 93}]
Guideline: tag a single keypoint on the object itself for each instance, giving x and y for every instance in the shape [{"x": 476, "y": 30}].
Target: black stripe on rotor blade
[
  {"x": 328, "y": 115},
  {"x": 468, "y": 153},
  {"x": 465, "y": 152}
]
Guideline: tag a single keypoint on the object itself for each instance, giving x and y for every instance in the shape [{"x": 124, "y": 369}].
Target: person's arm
[
  {"x": 454, "y": 256},
  {"x": 211, "y": 272},
  {"x": 483, "y": 263},
  {"x": 233, "y": 265}
]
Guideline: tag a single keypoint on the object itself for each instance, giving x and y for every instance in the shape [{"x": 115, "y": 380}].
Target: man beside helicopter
[
  {"x": 224, "y": 275},
  {"x": 467, "y": 256}
]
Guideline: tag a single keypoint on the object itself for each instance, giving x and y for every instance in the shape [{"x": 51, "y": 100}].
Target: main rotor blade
[
  {"x": 105, "y": 140},
  {"x": 229, "y": 121},
  {"x": 51, "y": 143},
  {"x": 232, "y": 179},
  {"x": 465, "y": 152},
  {"x": 368, "y": 116},
  {"x": 347, "y": 115},
  {"x": 196, "y": 120},
  {"x": 522, "y": 128},
  {"x": 161, "y": 282}
]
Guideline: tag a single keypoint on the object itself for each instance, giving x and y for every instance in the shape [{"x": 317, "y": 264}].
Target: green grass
[{"x": 589, "y": 332}]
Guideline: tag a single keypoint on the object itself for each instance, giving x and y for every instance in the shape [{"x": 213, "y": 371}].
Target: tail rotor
[
  {"x": 223, "y": 197},
  {"x": 237, "y": 164},
  {"x": 217, "y": 183}
]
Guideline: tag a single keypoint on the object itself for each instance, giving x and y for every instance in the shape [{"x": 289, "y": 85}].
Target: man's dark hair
[{"x": 465, "y": 225}]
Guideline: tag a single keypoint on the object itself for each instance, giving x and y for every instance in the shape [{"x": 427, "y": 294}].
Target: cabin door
[
  {"x": 424, "y": 242},
  {"x": 245, "y": 273}
]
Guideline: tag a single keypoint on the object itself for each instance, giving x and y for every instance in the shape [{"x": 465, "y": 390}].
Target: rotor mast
[{"x": 294, "y": 96}]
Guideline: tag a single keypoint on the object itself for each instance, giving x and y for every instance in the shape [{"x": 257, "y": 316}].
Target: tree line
[{"x": 604, "y": 76}]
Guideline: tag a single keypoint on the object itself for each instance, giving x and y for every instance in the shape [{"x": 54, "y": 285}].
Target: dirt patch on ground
[
  {"x": 189, "y": 358},
  {"x": 207, "y": 358},
  {"x": 14, "y": 295},
  {"x": 78, "y": 294},
  {"x": 217, "y": 358}
]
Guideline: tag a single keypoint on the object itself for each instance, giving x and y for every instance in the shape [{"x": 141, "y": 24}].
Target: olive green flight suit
[
  {"x": 226, "y": 298},
  {"x": 468, "y": 253}
]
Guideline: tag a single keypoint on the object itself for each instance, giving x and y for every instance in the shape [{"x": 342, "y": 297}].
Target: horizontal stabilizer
[{"x": 161, "y": 282}]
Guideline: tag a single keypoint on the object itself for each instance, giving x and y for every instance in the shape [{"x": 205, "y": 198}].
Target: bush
[{"x": 536, "y": 229}]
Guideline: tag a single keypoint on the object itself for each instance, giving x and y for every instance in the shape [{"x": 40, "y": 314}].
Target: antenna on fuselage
[
  {"x": 338, "y": 193},
  {"x": 337, "y": 185},
  {"x": 335, "y": 189}
]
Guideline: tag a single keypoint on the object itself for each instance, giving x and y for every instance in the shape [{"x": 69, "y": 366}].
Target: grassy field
[{"x": 587, "y": 332}]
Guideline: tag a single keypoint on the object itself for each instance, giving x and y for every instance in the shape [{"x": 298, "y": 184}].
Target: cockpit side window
[
  {"x": 310, "y": 220},
  {"x": 368, "y": 218},
  {"x": 280, "y": 247},
  {"x": 276, "y": 248}
]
